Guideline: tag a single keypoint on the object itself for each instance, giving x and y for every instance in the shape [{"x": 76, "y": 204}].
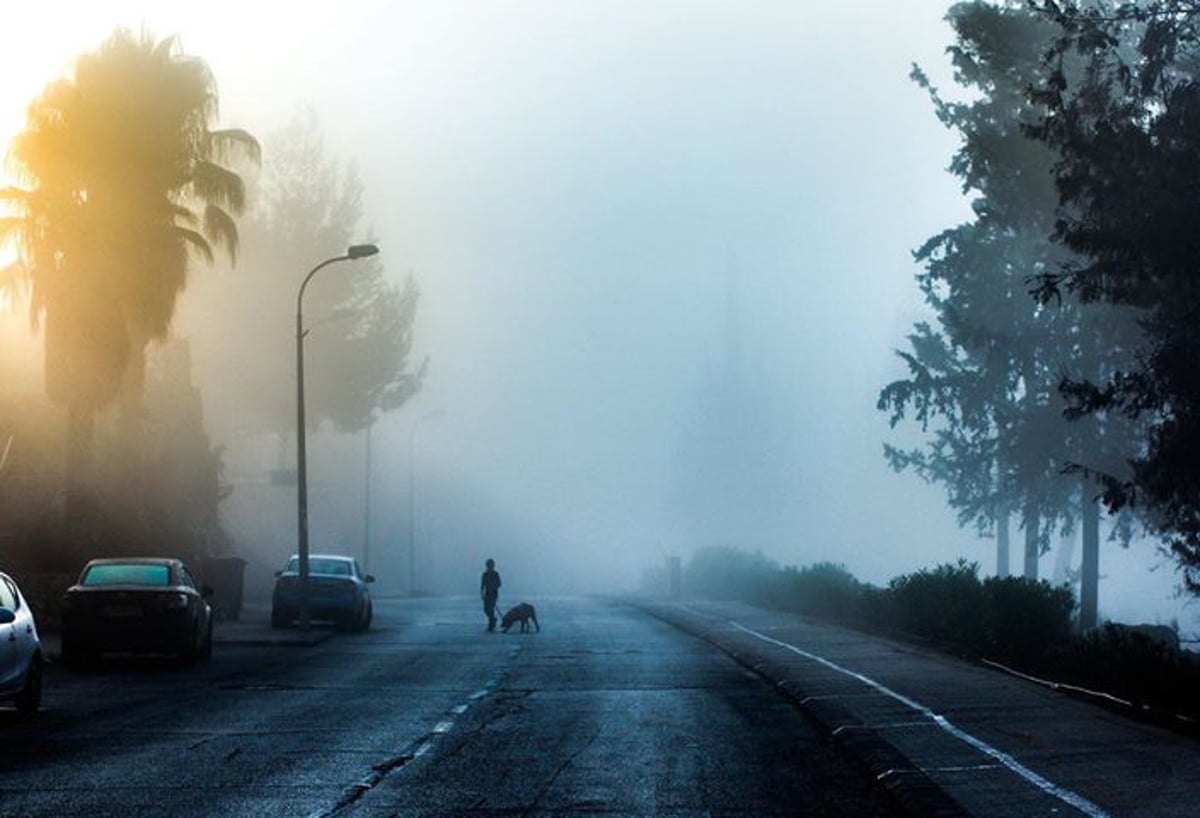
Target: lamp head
[{"x": 357, "y": 251}]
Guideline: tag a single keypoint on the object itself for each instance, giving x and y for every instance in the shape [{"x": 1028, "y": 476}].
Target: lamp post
[
  {"x": 366, "y": 566},
  {"x": 353, "y": 253},
  {"x": 412, "y": 500}
]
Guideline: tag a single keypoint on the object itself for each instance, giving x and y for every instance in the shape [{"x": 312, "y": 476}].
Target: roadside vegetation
[
  {"x": 1029, "y": 626},
  {"x": 1054, "y": 383},
  {"x": 130, "y": 202}
]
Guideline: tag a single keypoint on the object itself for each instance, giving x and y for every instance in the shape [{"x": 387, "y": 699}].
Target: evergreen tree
[
  {"x": 980, "y": 377},
  {"x": 306, "y": 208},
  {"x": 989, "y": 376},
  {"x": 1127, "y": 127}
]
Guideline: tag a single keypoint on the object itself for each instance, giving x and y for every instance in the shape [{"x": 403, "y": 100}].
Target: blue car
[{"x": 338, "y": 592}]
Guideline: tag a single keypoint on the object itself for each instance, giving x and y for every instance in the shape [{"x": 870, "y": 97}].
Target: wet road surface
[{"x": 607, "y": 711}]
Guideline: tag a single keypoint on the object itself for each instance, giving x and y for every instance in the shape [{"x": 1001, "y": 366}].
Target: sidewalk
[
  {"x": 253, "y": 627},
  {"x": 948, "y": 737}
]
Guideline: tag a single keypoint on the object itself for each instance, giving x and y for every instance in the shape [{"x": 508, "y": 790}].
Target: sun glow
[
  {"x": 44, "y": 42},
  {"x": 39, "y": 51}
]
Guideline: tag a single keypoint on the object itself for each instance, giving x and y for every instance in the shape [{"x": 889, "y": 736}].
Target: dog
[{"x": 522, "y": 613}]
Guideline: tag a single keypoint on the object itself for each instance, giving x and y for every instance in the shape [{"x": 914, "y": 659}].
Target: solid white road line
[{"x": 1067, "y": 796}]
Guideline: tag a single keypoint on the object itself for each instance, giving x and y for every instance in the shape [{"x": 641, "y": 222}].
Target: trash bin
[{"x": 226, "y": 576}]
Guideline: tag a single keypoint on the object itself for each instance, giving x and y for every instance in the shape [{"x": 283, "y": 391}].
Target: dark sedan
[{"x": 136, "y": 605}]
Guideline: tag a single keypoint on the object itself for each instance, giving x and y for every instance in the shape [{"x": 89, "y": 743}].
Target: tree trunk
[
  {"x": 1090, "y": 435},
  {"x": 1031, "y": 542},
  {"x": 1062, "y": 562},
  {"x": 1089, "y": 585},
  {"x": 1030, "y": 477},
  {"x": 81, "y": 424},
  {"x": 131, "y": 412},
  {"x": 1002, "y": 570}
]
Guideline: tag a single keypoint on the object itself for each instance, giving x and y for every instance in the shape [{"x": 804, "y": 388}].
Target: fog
[{"x": 664, "y": 253}]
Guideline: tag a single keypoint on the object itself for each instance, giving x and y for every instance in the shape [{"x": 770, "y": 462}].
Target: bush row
[{"x": 1022, "y": 623}]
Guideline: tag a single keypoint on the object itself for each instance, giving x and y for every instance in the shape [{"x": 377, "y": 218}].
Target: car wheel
[
  {"x": 30, "y": 698},
  {"x": 190, "y": 652},
  {"x": 366, "y": 619}
]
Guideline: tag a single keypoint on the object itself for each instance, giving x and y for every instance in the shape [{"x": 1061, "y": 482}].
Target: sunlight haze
[{"x": 605, "y": 206}]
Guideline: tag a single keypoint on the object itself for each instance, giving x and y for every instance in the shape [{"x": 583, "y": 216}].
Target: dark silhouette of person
[{"x": 489, "y": 590}]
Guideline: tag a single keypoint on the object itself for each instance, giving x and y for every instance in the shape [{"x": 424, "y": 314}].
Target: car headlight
[{"x": 175, "y": 602}]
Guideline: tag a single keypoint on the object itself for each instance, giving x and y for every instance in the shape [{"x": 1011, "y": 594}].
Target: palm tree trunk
[
  {"x": 129, "y": 421},
  {"x": 81, "y": 426}
]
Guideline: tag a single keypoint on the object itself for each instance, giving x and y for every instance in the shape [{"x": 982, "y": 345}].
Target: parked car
[
  {"x": 20, "y": 649},
  {"x": 338, "y": 592},
  {"x": 136, "y": 605}
]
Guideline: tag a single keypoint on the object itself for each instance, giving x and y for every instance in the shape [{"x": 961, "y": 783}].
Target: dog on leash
[{"x": 522, "y": 613}]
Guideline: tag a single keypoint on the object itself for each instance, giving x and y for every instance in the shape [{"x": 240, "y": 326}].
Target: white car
[{"x": 20, "y": 649}]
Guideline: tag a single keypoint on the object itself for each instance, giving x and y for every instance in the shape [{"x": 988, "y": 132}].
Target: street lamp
[
  {"x": 412, "y": 500},
  {"x": 353, "y": 253},
  {"x": 366, "y": 564}
]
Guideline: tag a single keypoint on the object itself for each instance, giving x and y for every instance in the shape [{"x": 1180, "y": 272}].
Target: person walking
[{"x": 489, "y": 590}]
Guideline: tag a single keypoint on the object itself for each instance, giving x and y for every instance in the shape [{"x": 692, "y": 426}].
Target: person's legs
[{"x": 489, "y": 608}]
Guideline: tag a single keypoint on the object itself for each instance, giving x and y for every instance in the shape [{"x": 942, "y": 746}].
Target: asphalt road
[{"x": 606, "y": 711}]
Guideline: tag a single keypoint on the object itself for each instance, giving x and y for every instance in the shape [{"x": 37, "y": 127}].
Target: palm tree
[{"x": 127, "y": 183}]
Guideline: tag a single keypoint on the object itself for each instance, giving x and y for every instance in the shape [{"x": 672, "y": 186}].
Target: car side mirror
[
  {"x": 206, "y": 591},
  {"x": 7, "y": 616},
  {"x": 369, "y": 578},
  {"x": 278, "y": 574}
]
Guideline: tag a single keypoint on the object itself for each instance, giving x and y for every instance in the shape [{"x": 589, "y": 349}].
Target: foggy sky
[{"x": 571, "y": 184}]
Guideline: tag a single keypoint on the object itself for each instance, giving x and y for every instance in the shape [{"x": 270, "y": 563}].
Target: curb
[
  {"x": 910, "y": 788},
  {"x": 1186, "y": 726},
  {"x": 252, "y": 628},
  {"x": 267, "y": 641},
  {"x": 259, "y": 637}
]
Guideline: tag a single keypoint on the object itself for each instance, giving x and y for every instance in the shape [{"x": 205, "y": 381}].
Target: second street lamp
[
  {"x": 353, "y": 253},
  {"x": 412, "y": 499}
]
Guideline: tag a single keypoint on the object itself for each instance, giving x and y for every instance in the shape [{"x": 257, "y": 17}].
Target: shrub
[
  {"x": 875, "y": 608},
  {"x": 1025, "y": 623},
  {"x": 1129, "y": 665},
  {"x": 1023, "y": 617},
  {"x": 824, "y": 589},
  {"x": 943, "y": 604},
  {"x": 728, "y": 573}
]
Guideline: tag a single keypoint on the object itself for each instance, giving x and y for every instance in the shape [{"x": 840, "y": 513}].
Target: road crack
[
  {"x": 379, "y": 771},
  {"x": 567, "y": 762}
]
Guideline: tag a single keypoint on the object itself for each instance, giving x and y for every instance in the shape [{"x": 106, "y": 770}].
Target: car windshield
[
  {"x": 128, "y": 574},
  {"x": 318, "y": 565}
]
